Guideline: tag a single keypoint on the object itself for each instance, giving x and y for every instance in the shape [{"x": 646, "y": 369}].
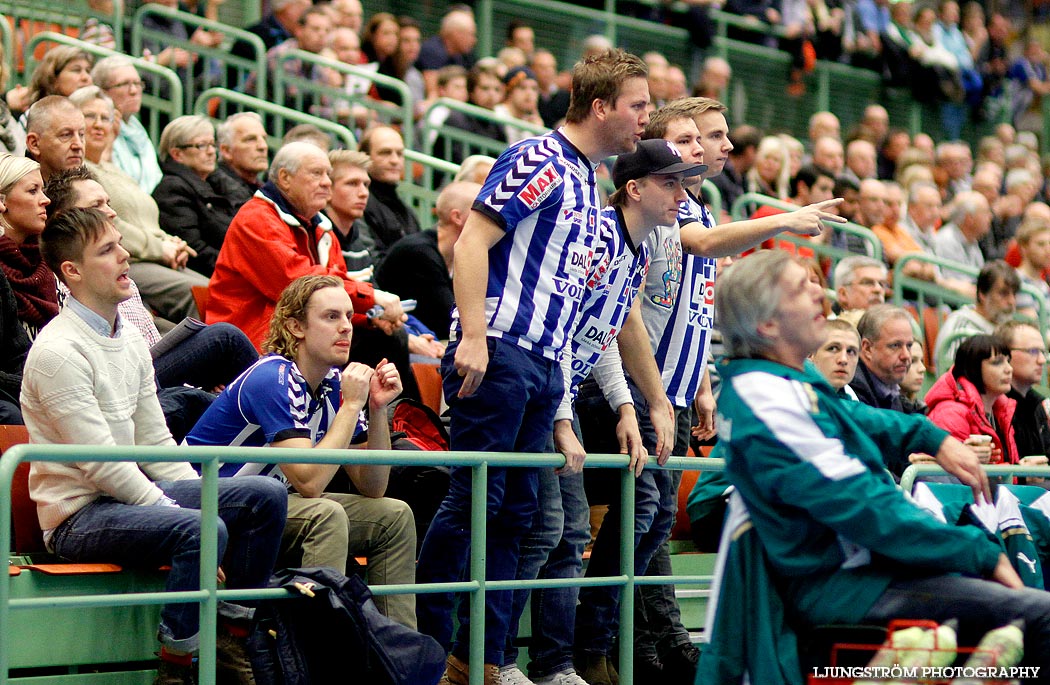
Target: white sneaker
[
  {"x": 512, "y": 675},
  {"x": 569, "y": 677}
]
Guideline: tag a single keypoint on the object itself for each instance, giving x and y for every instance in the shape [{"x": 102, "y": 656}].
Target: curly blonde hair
[{"x": 292, "y": 305}]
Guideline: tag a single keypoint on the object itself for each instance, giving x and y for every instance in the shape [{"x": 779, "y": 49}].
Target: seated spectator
[
  {"x": 895, "y": 238},
  {"x": 243, "y": 155},
  {"x": 88, "y": 380},
  {"x": 911, "y": 386},
  {"x": 956, "y": 160},
  {"x": 419, "y": 266},
  {"x": 159, "y": 259},
  {"x": 897, "y": 141},
  {"x": 828, "y": 154},
  {"x": 1027, "y": 83},
  {"x": 997, "y": 288},
  {"x": 772, "y": 169},
  {"x": 296, "y": 397},
  {"x": 484, "y": 90},
  {"x": 379, "y": 38},
  {"x": 860, "y": 283},
  {"x": 95, "y": 29},
  {"x": 285, "y": 217},
  {"x": 23, "y": 221},
  {"x": 861, "y": 160},
  {"x": 520, "y": 102},
  {"x": 886, "y": 335},
  {"x": 924, "y": 213},
  {"x": 454, "y": 44},
  {"x": 871, "y": 203},
  {"x": 193, "y": 200},
  {"x": 63, "y": 69},
  {"x": 275, "y": 28},
  {"x": 208, "y": 359},
  {"x": 970, "y": 398},
  {"x": 132, "y": 152},
  {"x": 349, "y": 14},
  {"x": 387, "y": 216},
  {"x": 308, "y": 133},
  {"x": 311, "y": 35},
  {"x": 350, "y": 182},
  {"x": 55, "y": 134},
  {"x": 837, "y": 357},
  {"x": 822, "y": 124},
  {"x": 970, "y": 220},
  {"x": 451, "y": 83},
  {"x": 553, "y": 101},
  {"x": 1031, "y": 420},
  {"x": 403, "y": 66},
  {"x": 850, "y": 194},
  {"x": 1033, "y": 243},
  {"x": 475, "y": 169},
  {"x": 904, "y": 561},
  {"x": 865, "y": 44},
  {"x": 715, "y": 74}
]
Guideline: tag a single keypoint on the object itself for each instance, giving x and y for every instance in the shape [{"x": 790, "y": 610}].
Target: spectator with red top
[{"x": 970, "y": 399}]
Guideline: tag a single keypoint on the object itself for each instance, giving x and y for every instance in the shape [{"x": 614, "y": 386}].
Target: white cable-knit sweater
[{"x": 83, "y": 388}]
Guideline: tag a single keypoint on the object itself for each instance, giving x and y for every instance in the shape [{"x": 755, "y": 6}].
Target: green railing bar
[
  {"x": 714, "y": 198},
  {"x": 222, "y": 53},
  {"x": 916, "y": 470},
  {"x": 254, "y": 104},
  {"x": 7, "y": 36},
  {"x": 154, "y": 103},
  {"x": 36, "y": 11},
  {"x": 627, "y": 514},
  {"x": 209, "y": 592},
  {"x": 404, "y": 111},
  {"x": 874, "y": 245},
  {"x": 453, "y": 133}
]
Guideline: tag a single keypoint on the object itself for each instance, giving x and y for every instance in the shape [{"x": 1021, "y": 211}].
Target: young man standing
[
  {"x": 89, "y": 380},
  {"x": 295, "y": 397},
  {"x": 521, "y": 266}
]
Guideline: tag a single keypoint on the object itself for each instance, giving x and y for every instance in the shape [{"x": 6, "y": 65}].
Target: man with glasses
[
  {"x": 1031, "y": 420},
  {"x": 860, "y": 282},
  {"x": 132, "y": 150}
]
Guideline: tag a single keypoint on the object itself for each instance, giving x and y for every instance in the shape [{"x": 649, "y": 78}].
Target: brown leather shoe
[{"x": 457, "y": 672}]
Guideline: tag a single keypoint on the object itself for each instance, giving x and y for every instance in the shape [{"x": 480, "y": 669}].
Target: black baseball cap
[{"x": 654, "y": 156}]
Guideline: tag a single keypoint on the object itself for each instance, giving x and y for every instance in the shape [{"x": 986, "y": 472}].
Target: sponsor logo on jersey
[
  {"x": 543, "y": 183},
  {"x": 595, "y": 335}
]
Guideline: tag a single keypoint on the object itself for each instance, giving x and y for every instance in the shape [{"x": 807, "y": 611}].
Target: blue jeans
[
  {"x": 213, "y": 356},
  {"x": 511, "y": 411},
  {"x": 252, "y": 512},
  {"x": 553, "y": 548},
  {"x": 597, "y": 616}
]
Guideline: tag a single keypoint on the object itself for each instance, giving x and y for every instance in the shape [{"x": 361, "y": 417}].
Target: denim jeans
[
  {"x": 597, "y": 616},
  {"x": 213, "y": 356},
  {"x": 979, "y": 606},
  {"x": 511, "y": 411},
  {"x": 252, "y": 511},
  {"x": 553, "y": 548}
]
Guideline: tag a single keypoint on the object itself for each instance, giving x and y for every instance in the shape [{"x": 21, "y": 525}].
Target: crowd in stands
[{"x": 204, "y": 289}]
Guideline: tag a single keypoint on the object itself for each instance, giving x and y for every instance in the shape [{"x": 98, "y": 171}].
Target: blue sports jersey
[
  {"x": 678, "y": 306},
  {"x": 543, "y": 193},
  {"x": 617, "y": 273},
  {"x": 269, "y": 402}
]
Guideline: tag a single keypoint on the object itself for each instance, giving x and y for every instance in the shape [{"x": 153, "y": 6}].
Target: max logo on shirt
[{"x": 540, "y": 187}]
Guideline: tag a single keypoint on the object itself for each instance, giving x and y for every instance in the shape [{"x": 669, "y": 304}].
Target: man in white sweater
[{"x": 89, "y": 380}]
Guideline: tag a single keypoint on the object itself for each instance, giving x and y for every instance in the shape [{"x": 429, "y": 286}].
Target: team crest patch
[{"x": 540, "y": 187}]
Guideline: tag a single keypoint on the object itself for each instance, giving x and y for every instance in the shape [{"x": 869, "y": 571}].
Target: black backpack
[{"x": 332, "y": 632}]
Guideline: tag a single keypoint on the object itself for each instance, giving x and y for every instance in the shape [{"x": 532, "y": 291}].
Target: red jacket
[
  {"x": 266, "y": 248},
  {"x": 956, "y": 406}
]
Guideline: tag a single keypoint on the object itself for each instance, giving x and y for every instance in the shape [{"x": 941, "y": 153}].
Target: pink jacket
[{"x": 956, "y": 406}]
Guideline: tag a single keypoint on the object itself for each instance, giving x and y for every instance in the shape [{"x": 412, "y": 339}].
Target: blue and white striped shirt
[
  {"x": 678, "y": 306},
  {"x": 543, "y": 193}
]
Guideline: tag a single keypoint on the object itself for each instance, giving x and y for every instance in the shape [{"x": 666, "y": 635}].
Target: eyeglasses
[
  {"x": 127, "y": 85},
  {"x": 203, "y": 147},
  {"x": 92, "y": 117},
  {"x": 1033, "y": 351}
]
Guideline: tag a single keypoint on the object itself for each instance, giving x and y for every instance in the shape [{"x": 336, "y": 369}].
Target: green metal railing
[
  {"x": 208, "y": 595},
  {"x": 917, "y": 470},
  {"x": 222, "y": 69},
  {"x": 334, "y": 102},
  {"x": 32, "y": 16},
  {"x": 231, "y": 102},
  {"x": 158, "y": 106},
  {"x": 471, "y": 143},
  {"x": 744, "y": 206},
  {"x": 7, "y": 37}
]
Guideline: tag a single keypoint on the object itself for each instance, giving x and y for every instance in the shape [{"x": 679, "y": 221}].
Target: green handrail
[
  {"x": 209, "y": 594},
  {"x": 331, "y": 98},
  {"x": 916, "y": 470},
  {"x": 241, "y": 66},
  {"x": 280, "y": 114},
  {"x": 741, "y": 209},
  {"x": 66, "y": 15},
  {"x": 170, "y": 107},
  {"x": 8, "y": 47},
  {"x": 475, "y": 144}
]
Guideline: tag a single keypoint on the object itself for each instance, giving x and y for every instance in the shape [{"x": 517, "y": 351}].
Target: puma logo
[{"x": 1029, "y": 562}]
